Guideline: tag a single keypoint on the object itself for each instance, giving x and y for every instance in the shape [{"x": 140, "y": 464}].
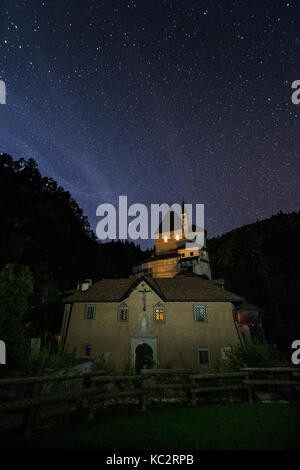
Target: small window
[
  {"x": 123, "y": 312},
  {"x": 203, "y": 356},
  {"x": 87, "y": 349},
  {"x": 199, "y": 313},
  {"x": 159, "y": 313},
  {"x": 90, "y": 311},
  {"x": 191, "y": 253}
]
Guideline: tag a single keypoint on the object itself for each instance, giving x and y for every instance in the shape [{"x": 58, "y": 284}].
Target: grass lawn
[{"x": 207, "y": 427}]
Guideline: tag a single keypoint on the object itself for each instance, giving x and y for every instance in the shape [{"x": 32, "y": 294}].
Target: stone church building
[
  {"x": 169, "y": 313},
  {"x": 183, "y": 322}
]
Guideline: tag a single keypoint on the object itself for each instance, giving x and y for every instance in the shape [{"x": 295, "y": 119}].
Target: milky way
[{"x": 157, "y": 100}]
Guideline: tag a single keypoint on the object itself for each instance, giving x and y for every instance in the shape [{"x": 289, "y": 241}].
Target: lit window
[
  {"x": 90, "y": 311},
  {"x": 123, "y": 313},
  {"x": 177, "y": 237},
  {"x": 199, "y": 312},
  {"x": 166, "y": 239},
  {"x": 203, "y": 356},
  {"x": 159, "y": 312}
]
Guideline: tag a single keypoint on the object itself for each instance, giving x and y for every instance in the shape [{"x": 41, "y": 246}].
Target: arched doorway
[{"x": 143, "y": 356}]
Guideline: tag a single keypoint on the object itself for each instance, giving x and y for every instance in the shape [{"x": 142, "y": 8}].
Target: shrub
[
  {"x": 16, "y": 286},
  {"x": 101, "y": 363},
  {"x": 256, "y": 354},
  {"x": 220, "y": 366},
  {"x": 37, "y": 362},
  {"x": 128, "y": 370}
]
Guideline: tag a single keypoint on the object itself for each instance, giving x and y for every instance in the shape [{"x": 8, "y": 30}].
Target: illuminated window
[
  {"x": 123, "y": 313},
  {"x": 90, "y": 311},
  {"x": 177, "y": 237},
  {"x": 166, "y": 239},
  {"x": 203, "y": 356},
  {"x": 199, "y": 313},
  {"x": 159, "y": 313}
]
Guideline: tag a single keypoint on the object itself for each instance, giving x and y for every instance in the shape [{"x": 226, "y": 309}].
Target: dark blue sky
[{"x": 157, "y": 100}]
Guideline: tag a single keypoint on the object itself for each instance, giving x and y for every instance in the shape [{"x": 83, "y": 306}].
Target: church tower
[{"x": 175, "y": 254}]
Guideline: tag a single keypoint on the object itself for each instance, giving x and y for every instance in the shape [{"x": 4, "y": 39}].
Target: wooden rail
[
  {"x": 49, "y": 378},
  {"x": 283, "y": 383},
  {"x": 142, "y": 386},
  {"x": 271, "y": 369}
]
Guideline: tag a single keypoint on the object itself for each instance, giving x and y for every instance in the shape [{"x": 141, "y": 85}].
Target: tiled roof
[
  {"x": 189, "y": 288},
  {"x": 106, "y": 290},
  {"x": 194, "y": 288}
]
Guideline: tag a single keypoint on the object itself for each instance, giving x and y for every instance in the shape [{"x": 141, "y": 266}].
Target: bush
[
  {"x": 128, "y": 370},
  {"x": 256, "y": 354},
  {"x": 221, "y": 366},
  {"x": 37, "y": 362},
  {"x": 16, "y": 286},
  {"x": 101, "y": 363}
]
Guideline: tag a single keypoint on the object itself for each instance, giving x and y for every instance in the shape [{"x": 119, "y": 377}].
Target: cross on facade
[{"x": 144, "y": 292}]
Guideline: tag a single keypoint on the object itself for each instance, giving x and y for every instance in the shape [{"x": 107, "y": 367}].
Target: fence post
[
  {"x": 91, "y": 384},
  {"x": 143, "y": 396},
  {"x": 249, "y": 389},
  {"x": 193, "y": 394},
  {"x": 31, "y": 420}
]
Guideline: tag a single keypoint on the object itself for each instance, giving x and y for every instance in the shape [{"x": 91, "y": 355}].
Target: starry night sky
[{"x": 158, "y": 100}]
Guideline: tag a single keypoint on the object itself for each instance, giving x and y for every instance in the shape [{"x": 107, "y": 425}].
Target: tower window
[
  {"x": 159, "y": 313},
  {"x": 123, "y": 312},
  {"x": 199, "y": 313}
]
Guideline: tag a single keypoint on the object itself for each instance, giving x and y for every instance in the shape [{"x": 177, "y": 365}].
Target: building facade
[{"x": 179, "y": 322}]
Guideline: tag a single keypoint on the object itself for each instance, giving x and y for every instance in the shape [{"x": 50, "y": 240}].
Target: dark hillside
[
  {"x": 261, "y": 262},
  {"x": 43, "y": 227}
]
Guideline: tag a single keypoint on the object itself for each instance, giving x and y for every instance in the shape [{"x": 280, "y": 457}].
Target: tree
[
  {"x": 16, "y": 286},
  {"x": 6, "y": 162}
]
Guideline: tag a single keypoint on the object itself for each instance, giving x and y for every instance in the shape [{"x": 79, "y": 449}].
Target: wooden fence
[{"x": 145, "y": 386}]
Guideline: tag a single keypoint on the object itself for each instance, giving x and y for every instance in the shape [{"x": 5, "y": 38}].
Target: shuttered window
[
  {"x": 199, "y": 313},
  {"x": 90, "y": 311}
]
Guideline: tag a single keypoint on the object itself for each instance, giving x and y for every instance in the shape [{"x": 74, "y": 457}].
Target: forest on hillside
[
  {"x": 260, "y": 262},
  {"x": 43, "y": 227}
]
